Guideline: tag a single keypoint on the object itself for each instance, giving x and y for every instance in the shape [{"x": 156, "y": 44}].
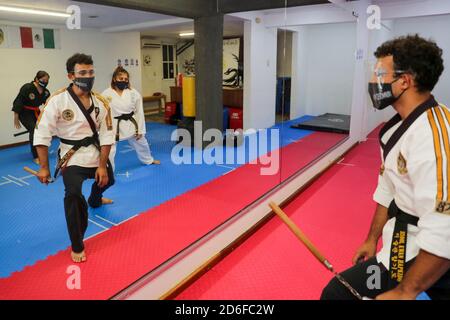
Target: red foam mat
[
  {"x": 123, "y": 254},
  {"x": 335, "y": 212}
]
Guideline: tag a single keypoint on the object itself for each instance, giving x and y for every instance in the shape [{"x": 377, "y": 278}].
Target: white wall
[
  {"x": 323, "y": 69},
  {"x": 152, "y": 75},
  {"x": 437, "y": 28},
  {"x": 260, "y": 59},
  {"x": 20, "y": 66}
]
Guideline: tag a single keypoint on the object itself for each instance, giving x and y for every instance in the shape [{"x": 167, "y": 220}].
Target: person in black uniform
[{"x": 26, "y": 105}]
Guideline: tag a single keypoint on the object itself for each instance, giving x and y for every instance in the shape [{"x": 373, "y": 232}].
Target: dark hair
[
  {"x": 118, "y": 71},
  {"x": 77, "y": 58},
  {"x": 41, "y": 74},
  {"x": 416, "y": 55}
]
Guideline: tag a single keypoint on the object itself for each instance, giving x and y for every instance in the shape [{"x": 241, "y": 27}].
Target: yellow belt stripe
[{"x": 437, "y": 149}]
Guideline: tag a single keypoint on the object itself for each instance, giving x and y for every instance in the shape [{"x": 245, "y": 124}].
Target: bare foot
[
  {"x": 156, "y": 162},
  {"x": 78, "y": 257},
  {"x": 107, "y": 201},
  {"x": 36, "y": 160}
]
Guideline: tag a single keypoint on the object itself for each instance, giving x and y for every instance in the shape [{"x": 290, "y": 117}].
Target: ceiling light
[
  {"x": 35, "y": 11},
  {"x": 187, "y": 34}
]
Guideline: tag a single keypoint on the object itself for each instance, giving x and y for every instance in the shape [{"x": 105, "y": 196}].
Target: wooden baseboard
[{"x": 12, "y": 145}]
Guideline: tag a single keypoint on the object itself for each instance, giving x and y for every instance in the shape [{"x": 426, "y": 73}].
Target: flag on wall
[{"x": 27, "y": 37}]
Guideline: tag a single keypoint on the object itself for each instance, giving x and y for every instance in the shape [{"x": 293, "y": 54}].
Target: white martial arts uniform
[
  {"x": 416, "y": 174},
  {"x": 129, "y": 101},
  {"x": 63, "y": 118}
]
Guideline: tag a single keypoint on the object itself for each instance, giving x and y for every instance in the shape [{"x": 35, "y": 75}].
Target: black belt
[
  {"x": 86, "y": 142},
  {"x": 399, "y": 238},
  {"x": 77, "y": 144},
  {"x": 126, "y": 117}
]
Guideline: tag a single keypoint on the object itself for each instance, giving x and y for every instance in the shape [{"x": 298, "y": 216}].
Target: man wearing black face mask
[
  {"x": 26, "y": 105},
  {"x": 82, "y": 121},
  {"x": 413, "y": 192}
]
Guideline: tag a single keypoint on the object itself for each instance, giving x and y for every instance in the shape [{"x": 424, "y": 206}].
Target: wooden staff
[
  {"x": 311, "y": 247},
  {"x": 34, "y": 172}
]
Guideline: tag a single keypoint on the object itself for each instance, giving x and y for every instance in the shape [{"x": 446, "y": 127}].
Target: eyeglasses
[
  {"x": 84, "y": 73},
  {"x": 381, "y": 72}
]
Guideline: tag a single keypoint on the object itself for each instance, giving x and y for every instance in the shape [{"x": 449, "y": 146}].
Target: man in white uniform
[
  {"x": 129, "y": 120},
  {"x": 82, "y": 121},
  {"x": 413, "y": 193}
]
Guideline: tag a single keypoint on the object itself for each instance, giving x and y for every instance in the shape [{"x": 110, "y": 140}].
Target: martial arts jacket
[
  {"x": 62, "y": 117},
  {"x": 416, "y": 175},
  {"x": 129, "y": 102}
]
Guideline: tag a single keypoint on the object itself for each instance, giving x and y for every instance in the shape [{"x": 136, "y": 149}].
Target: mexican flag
[{"x": 37, "y": 38}]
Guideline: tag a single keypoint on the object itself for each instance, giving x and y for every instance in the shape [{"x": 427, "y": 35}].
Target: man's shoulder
[
  {"x": 430, "y": 130},
  {"x": 56, "y": 96}
]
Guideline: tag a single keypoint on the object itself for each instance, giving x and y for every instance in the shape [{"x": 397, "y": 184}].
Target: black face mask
[
  {"x": 43, "y": 84},
  {"x": 121, "y": 85},
  {"x": 84, "y": 84},
  {"x": 383, "y": 98}
]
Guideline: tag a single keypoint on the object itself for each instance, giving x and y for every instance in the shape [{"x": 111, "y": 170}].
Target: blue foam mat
[{"x": 32, "y": 222}]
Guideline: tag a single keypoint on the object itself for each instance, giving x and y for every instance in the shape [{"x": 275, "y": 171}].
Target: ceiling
[
  {"x": 107, "y": 16},
  {"x": 232, "y": 27}
]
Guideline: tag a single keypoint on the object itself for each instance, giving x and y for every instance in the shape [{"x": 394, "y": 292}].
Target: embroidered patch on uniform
[
  {"x": 443, "y": 207},
  {"x": 31, "y": 96},
  {"x": 381, "y": 169},
  {"x": 68, "y": 115},
  {"x": 401, "y": 164}
]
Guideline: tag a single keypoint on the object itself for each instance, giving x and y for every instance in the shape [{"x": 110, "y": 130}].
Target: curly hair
[
  {"x": 78, "y": 58},
  {"x": 416, "y": 55}
]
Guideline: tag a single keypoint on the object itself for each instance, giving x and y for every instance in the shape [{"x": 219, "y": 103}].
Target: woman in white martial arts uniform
[{"x": 129, "y": 120}]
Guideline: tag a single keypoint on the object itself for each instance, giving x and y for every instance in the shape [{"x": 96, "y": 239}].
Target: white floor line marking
[
  {"x": 110, "y": 222},
  {"x": 227, "y": 167},
  {"x": 95, "y": 234},
  {"x": 126, "y": 174},
  {"x": 6, "y": 182},
  {"x": 28, "y": 177},
  {"x": 18, "y": 179},
  {"x": 345, "y": 164},
  {"x": 228, "y": 172},
  {"x": 128, "y": 219},
  {"x": 11, "y": 181},
  {"x": 98, "y": 224}
]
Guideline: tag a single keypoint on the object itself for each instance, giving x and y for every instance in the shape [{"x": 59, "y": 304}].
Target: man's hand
[
  {"x": 138, "y": 136},
  {"x": 17, "y": 121},
  {"x": 367, "y": 250},
  {"x": 101, "y": 176},
  {"x": 43, "y": 175},
  {"x": 396, "y": 294}
]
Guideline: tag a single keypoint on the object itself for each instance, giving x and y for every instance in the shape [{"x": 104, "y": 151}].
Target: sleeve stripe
[
  {"x": 444, "y": 135},
  {"x": 446, "y": 114},
  {"x": 437, "y": 149}
]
